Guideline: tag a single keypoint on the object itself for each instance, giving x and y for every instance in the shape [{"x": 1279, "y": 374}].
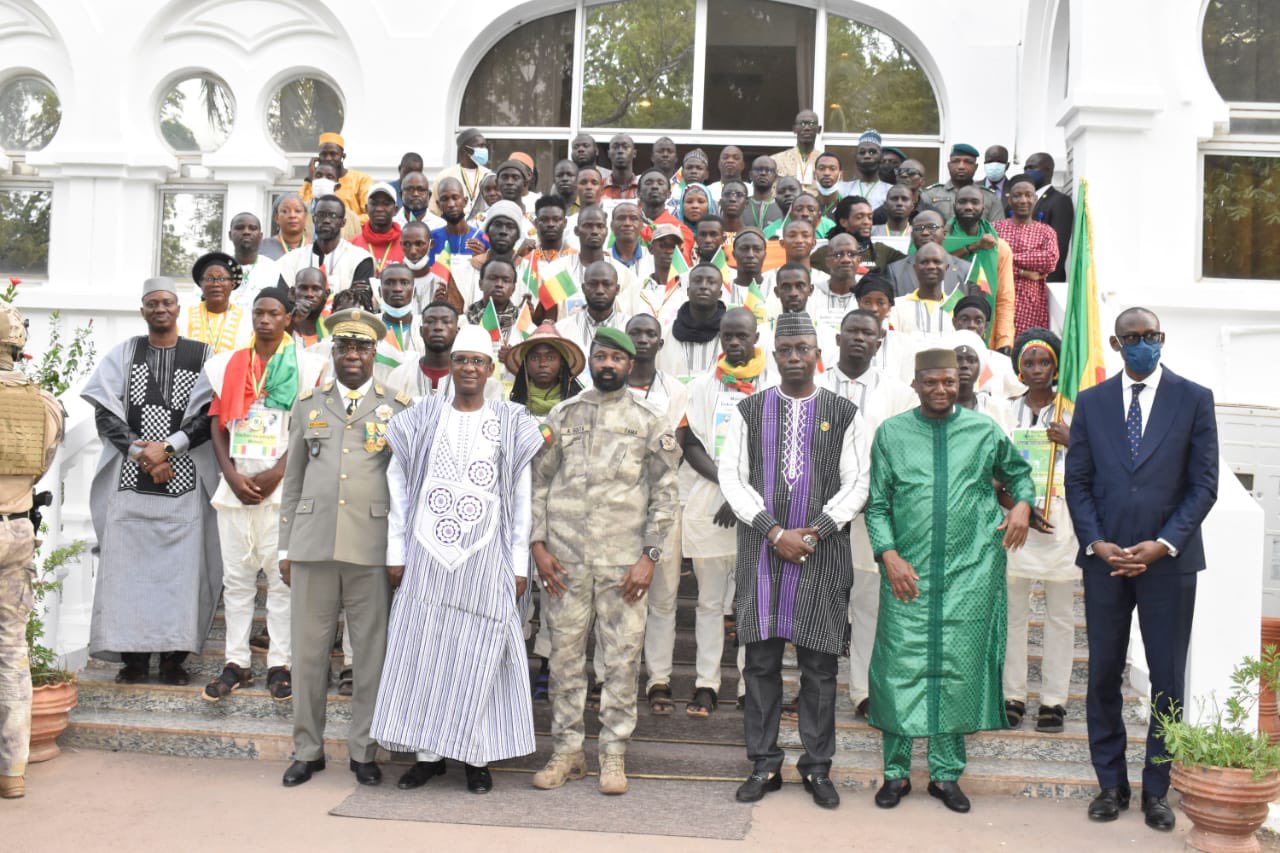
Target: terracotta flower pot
[
  {"x": 1268, "y": 712},
  {"x": 50, "y": 705},
  {"x": 1226, "y": 806}
]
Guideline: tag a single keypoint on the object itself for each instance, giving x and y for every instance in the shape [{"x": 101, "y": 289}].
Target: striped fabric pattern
[{"x": 456, "y": 680}]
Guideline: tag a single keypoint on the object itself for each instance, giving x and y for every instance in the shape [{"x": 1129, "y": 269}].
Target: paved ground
[{"x": 91, "y": 801}]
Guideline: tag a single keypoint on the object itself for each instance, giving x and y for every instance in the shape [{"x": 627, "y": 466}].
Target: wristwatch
[
  {"x": 169, "y": 449},
  {"x": 652, "y": 553}
]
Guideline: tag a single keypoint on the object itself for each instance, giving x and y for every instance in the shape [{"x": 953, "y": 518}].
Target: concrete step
[{"x": 270, "y": 739}]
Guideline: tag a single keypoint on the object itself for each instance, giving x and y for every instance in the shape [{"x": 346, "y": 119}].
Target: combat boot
[
  {"x": 563, "y": 767},
  {"x": 12, "y": 787},
  {"x": 613, "y": 774}
]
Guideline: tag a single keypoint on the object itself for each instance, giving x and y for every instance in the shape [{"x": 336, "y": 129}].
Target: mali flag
[
  {"x": 489, "y": 322},
  {"x": 556, "y": 289},
  {"x": 755, "y": 302},
  {"x": 720, "y": 262},
  {"x": 1081, "y": 365}
]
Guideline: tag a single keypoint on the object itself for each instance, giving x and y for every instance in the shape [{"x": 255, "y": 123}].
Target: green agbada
[{"x": 937, "y": 663}]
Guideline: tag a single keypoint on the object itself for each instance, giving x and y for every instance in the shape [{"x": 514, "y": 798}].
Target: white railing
[{"x": 68, "y": 614}]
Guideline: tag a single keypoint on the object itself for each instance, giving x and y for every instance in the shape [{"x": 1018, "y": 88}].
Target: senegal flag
[
  {"x": 1081, "y": 365},
  {"x": 442, "y": 267}
]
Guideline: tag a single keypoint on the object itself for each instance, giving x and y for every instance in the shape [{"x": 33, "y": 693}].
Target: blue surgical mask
[
  {"x": 1035, "y": 175},
  {"x": 480, "y": 156},
  {"x": 1141, "y": 358},
  {"x": 397, "y": 313},
  {"x": 995, "y": 171}
]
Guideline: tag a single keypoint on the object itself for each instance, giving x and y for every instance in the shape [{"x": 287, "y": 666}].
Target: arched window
[
  {"x": 706, "y": 73},
  {"x": 196, "y": 114},
  {"x": 30, "y": 114},
  {"x": 1241, "y": 42},
  {"x": 300, "y": 111}
]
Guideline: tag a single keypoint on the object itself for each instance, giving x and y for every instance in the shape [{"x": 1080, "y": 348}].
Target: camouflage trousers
[
  {"x": 17, "y": 546},
  {"x": 594, "y": 592}
]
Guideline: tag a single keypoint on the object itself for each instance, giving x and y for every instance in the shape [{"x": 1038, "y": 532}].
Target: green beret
[
  {"x": 889, "y": 149},
  {"x": 615, "y": 339},
  {"x": 962, "y": 148}
]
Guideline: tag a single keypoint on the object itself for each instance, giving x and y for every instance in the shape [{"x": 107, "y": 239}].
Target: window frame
[
  {"x": 30, "y": 183},
  {"x": 16, "y": 155},
  {"x": 696, "y": 134},
  {"x": 1226, "y": 145},
  {"x": 180, "y": 185}
]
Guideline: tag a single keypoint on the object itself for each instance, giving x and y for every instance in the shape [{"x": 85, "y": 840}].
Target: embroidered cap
[
  {"x": 220, "y": 259},
  {"x": 161, "y": 283},
  {"x": 794, "y": 324},
  {"x": 936, "y": 359},
  {"x": 869, "y": 135},
  {"x": 473, "y": 339},
  {"x": 335, "y": 138}
]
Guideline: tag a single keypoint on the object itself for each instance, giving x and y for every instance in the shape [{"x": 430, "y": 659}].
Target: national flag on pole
[
  {"x": 524, "y": 323},
  {"x": 679, "y": 266},
  {"x": 720, "y": 262},
  {"x": 531, "y": 276},
  {"x": 1081, "y": 364},
  {"x": 755, "y": 302},
  {"x": 442, "y": 266},
  {"x": 489, "y": 322},
  {"x": 555, "y": 289}
]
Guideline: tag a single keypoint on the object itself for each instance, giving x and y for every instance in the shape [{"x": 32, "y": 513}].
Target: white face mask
[
  {"x": 995, "y": 171},
  {"x": 417, "y": 265},
  {"x": 322, "y": 186}
]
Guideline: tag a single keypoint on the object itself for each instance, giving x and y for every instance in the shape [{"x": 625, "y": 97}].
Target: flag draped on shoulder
[
  {"x": 1081, "y": 364},
  {"x": 984, "y": 264}
]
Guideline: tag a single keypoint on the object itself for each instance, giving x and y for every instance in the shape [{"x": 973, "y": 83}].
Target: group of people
[{"x": 442, "y": 416}]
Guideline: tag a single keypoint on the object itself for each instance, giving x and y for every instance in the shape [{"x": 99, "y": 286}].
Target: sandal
[
  {"x": 1051, "y": 719},
  {"x": 1014, "y": 711},
  {"x": 703, "y": 704},
  {"x": 278, "y": 684},
  {"x": 346, "y": 682},
  {"x": 232, "y": 678},
  {"x": 660, "y": 701}
]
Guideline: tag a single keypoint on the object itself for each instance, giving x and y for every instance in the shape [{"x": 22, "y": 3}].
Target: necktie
[
  {"x": 1133, "y": 423},
  {"x": 353, "y": 398}
]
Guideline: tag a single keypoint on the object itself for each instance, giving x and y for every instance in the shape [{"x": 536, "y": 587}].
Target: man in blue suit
[{"x": 1141, "y": 475}]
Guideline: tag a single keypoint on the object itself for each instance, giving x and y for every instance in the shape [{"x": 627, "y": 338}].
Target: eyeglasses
[
  {"x": 469, "y": 360},
  {"x": 321, "y": 215},
  {"x": 216, "y": 279},
  {"x": 801, "y": 350},
  {"x": 346, "y": 347},
  {"x": 1148, "y": 337},
  {"x": 807, "y": 122},
  {"x": 925, "y": 226}
]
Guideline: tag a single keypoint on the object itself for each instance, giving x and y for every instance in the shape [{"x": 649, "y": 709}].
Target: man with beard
[
  {"x": 974, "y": 238},
  {"x": 610, "y": 464},
  {"x": 911, "y": 176},
  {"x": 583, "y": 152},
  {"x": 342, "y": 262},
  {"x": 429, "y": 375},
  {"x": 794, "y": 470},
  {"x": 761, "y": 208},
  {"x": 352, "y": 184},
  {"x": 591, "y": 227},
  {"x": 600, "y": 289},
  {"x": 927, "y": 227},
  {"x": 799, "y": 161},
  {"x": 454, "y": 233},
  {"x": 415, "y": 205},
  {"x": 380, "y": 236},
  {"x": 256, "y": 270},
  {"x": 469, "y": 170},
  {"x": 622, "y": 181},
  {"x": 867, "y": 182},
  {"x": 828, "y": 172},
  {"x": 310, "y": 293},
  {"x": 961, "y": 166}
]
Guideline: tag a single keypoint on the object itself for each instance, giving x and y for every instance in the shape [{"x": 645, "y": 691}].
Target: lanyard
[{"x": 258, "y": 382}]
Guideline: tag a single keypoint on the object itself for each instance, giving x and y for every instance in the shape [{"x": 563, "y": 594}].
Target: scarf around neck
[
  {"x": 542, "y": 400},
  {"x": 741, "y": 377},
  {"x": 688, "y": 329},
  {"x": 277, "y": 386}
]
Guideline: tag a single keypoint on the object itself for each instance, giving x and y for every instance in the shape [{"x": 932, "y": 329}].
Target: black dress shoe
[
  {"x": 951, "y": 795},
  {"x": 367, "y": 772},
  {"x": 756, "y": 786},
  {"x": 479, "y": 779},
  {"x": 823, "y": 790},
  {"x": 420, "y": 773},
  {"x": 1109, "y": 803},
  {"x": 1159, "y": 814},
  {"x": 892, "y": 792},
  {"x": 300, "y": 771}
]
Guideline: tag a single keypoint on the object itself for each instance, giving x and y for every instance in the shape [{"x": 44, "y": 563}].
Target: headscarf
[
  {"x": 711, "y": 203},
  {"x": 968, "y": 338}
]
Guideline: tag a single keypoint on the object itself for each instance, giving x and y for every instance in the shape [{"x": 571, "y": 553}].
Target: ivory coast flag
[
  {"x": 489, "y": 322},
  {"x": 524, "y": 323},
  {"x": 1081, "y": 364},
  {"x": 555, "y": 289}
]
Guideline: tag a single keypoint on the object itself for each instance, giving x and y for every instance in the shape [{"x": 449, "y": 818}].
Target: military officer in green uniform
[
  {"x": 962, "y": 165},
  {"x": 333, "y": 529},
  {"x": 604, "y": 497},
  {"x": 30, "y": 431}
]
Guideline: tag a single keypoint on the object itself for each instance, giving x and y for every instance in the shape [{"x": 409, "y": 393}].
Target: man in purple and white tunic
[{"x": 794, "y": 468}]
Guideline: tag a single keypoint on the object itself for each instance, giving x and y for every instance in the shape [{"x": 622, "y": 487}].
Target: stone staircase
[{"x": 168, "y": 720}]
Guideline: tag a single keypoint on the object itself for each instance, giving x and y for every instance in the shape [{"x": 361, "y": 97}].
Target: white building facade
[{"x": 1125, "y": 94}]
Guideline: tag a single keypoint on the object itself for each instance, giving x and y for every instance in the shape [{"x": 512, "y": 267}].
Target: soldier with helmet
[{"x": 31, "y": 421}]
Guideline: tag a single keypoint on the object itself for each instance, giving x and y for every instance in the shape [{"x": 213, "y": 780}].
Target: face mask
[
  {"x": 416, "y": 265},
  {"x": 1035, "y": 175},
  {"x": 480, "y": 156},
  {"x": 397, "y": 313},
  {"x": 995, "y": 171},
  {"x": 1141, "y": 358},
  {"x": 322, "y": 186}
]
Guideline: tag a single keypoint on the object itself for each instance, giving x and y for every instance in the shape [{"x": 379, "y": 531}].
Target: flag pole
[{"x": 1053, "y": 457}]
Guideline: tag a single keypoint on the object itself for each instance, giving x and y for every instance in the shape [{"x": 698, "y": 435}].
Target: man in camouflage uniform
[
  {"x": 604, "y": 497},
  {"x": 961, "y": 166},
  {"x": 30, "y": 431}
]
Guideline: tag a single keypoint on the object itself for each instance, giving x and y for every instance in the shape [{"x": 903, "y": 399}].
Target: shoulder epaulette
[
  {"x": 403, "y": 399},
  {"x": 306, "y": 395},
  {"x": 934, "y": 186},
  {"x": 328, "y": 386},
  {"x": 379, "y": 390}
]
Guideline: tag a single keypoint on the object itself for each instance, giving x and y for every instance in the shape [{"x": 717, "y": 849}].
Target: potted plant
[
  {"x": 1227, "y": 771},
  {"x": 53, "y": 691}
]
